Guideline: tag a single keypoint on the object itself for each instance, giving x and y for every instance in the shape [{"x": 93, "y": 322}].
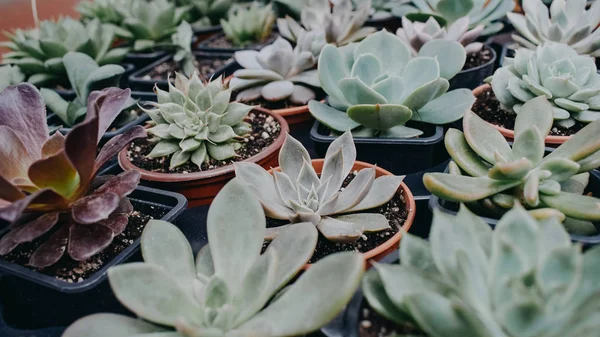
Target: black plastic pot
[
  {"x": 391, "y": 24},
  {"x": 399, "y": 156},
  {"x": 204, "y": 45},
  {"x": 472, "y": 78},
  {"x": 204, "y": 33},
  {"x": 139, "y": 83},
  {"x": 140, "y": 60}
]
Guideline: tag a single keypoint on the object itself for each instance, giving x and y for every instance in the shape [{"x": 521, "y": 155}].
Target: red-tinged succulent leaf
[
  {"x": 87, "y": 241},
  {"x": 125, "y": 207},
  {"x": 116, "y": 144},
  {"x": 23, "y": 110},
  {"x": 95, "y": 207},
  {"x": 53, "y": 145},
  {"x": 8, "y": 242},
  {"x": 40, "y": 200},
  {"x": 36, "y": 228},
  {"x": 99, "y": 181},
  {"x": 14, "y": 156},
  {"x": 116, "y": 223},
  {"x": 122, "y": 185},
  {"x": 80, "y": 147},
  {"x": 106, "y": 104},
  {"x": 55, "y": 172},
  {"x": 8, "y": 191},
  {"x": 51, "y": 250}
]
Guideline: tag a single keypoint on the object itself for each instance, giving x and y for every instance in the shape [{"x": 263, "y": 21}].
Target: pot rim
[{"x": 487, "y": 64}]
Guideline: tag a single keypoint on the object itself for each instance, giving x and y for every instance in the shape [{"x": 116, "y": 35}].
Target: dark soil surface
[
  {"x": 265, "y": 130},
  {"x": 394, "y": 211},
  {"x": 72, "y": 271},
  {"x": 487, "y": 107},
  {"x": 479, "y": 58},
  {"x": 371, "y": 324},
  {"x": 222, "y": 42},
  {"x": 205, "y": 67},
  {"x": 283, "y": 104}
]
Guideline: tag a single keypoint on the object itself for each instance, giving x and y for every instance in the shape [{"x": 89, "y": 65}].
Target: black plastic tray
[
  {"x": 140, "y": 60},
  {"x": 472, "y": 78}
]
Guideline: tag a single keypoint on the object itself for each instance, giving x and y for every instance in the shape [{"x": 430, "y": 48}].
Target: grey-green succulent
[
  {"x": 568, "y": 80},
  {"x": 382, "y": 9},
  {"x": 182, "y": 42},
  {"x": 525, "y": 278},
  {"x": 498, "y": 175},
  {"x": 230, "y": 289},
  {"x": 106, "y": 11},
  {"x": 296, "y": 193},
  {"x": 250, "y": 23},
  {"x": 565, "y": 22},
  {"x": 207, "y": 12},
  {"x": 39, "y": 52},
  {"x": 417, "y": 34},
  {"x": 10, "y": 75},
  {"x": 376, "y": 86},
  {"x": 276, "y": 72},
  {"x": 195, "y": 122}
]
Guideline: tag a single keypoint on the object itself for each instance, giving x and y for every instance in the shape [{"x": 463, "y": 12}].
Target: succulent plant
[
  {"x": 182, "y": 42},
  {"x": 416, "y": 34},
  {"x": 291, "y": 8},
  {"x": 556, "y": 71},
  {"x": 566, "y": 22},
  {"x": 341, "y": 24},
  {"x": 228, "y": 289},
  {"x": 10, "y": 75},
  {"x": 106, "y": 11},
  {"x": 207, "y": 12},
  {"x": 38, "y": 53},
  {"x": 195, "y": 122},
  {"x": 276, "y": 73},
  {"x": 382, "y": 9},
  {"x": 468, "y": 280},
  {"x": 298, "y": 194},
  {"x": 48, "y": 185},
  {"x": 498, "y": 175},
  {"x": 375, "y": 86},
  {"x": 249, "y": 24}
]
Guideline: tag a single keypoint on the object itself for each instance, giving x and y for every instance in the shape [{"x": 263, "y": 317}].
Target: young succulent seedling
[
  {"x": 417, "y": 34},
  {"x": 10, "y": 75},
  {"x": 48, "y": 185},
  {"x": 568, "y": 80},
  {"x": 277, "y": 72},
  {"x": 565, "y": 22},
  {"x": 207, "y": 12},
  {"x": 195, "y": 122},
  {"x": 498, "y": 175},
  {"x": 247, "y": 24},
  {"x": 298, "y": 194},
  {"x": 376, "y": 86},
  {"x": 468, "y": 280},
  {"x": 231, "y": 289}
]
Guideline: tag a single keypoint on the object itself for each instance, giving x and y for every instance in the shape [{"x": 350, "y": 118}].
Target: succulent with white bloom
[{"x": 416, "y": 34}]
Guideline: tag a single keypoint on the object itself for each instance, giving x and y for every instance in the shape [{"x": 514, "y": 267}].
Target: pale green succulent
[
  {"x": 182, "y": 42},
  {"x": 497, "y": 175},
  {"x": 231, "y": 289},
  {"x": 10, "y": 75},
  {"x": 566, "y": 22},
  {"x": 568, "y": 80},
  {"x": 247, "y": 24},
  {"x": 107, "y": 11},
  {"x": 382, "y": 9},
  {"x": 276, "y": 73},
  {"x": 195, "y": 122},
  {"x": 376, "y": 86},
  {"x": 298, "y": 194},
  {"x": 525, "y": 278},
  {"x": 207, "y": 12}
]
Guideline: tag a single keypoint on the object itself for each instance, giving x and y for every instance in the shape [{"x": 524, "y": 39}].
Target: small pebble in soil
[{"x": 371, "y": 324}]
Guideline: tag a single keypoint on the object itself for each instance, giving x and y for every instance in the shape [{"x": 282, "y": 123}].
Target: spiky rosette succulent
[
  {"x": 231, "y": 289},
  {"x": 498, "y": 175},
  {"x": 249, "y": 24},
  {"x": 195, "y": 122},
  {"x": 566, "y": 22},
  {"x": 556, "y": 71},
  {"x": 376, "y": 86},
  {"x": 48, "y": 185},
  {"x": 10, "y": 75},
  {"x": 276, "y": 72},
  {"x": 525, "y": 278},
  {"x": 298, "y": 194},
  {"x": 417, "y": 34}
]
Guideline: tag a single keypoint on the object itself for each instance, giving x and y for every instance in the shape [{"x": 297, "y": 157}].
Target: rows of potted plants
[{"x": 301, "y": 136}]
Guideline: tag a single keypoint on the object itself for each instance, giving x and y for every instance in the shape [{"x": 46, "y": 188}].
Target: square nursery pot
[
  {"x": 140, "y": 60},
  {"x": 397, "y": 155},
  {"x": 204, "y": 46},
  {"x": 200, "y": 188},
  {"x": 204, "y": 33},
  {"x": 472, "y": 78},
  {"x": 137, "y": 80}
]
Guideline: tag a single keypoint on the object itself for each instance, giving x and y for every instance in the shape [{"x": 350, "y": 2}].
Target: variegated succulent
[
  {"x": 565, "y": 22},
  {"x": 497, "y": 175},
  {"x": 10, "y": 75},
  {"x": 48, "y": 185},
  {"x": 231, "y": 289},
  {"x": 376, "y": 86},
  {"x": 276, "y": 73},
  {"x": 296, "y": 193},
  {"x": 468, "y": 280},
  {"x": 340, "y": 23},
  {"x": 195, "y": 122},
  {"x": 556, "y": 71},
  {"x": 417, "y": 34},
  {"x": 247, "y": 24}
]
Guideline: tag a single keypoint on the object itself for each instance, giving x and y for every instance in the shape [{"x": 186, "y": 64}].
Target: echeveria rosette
[
  {"x": 230, "y": 288},
  {"x": 50, "y": 184},
  {"x": 556, "y": 71},
  {"x": 247, "y": 24},
  {"x": 376, "y": 86},
  {"x": 275, "y": 73},
  {"x": 468, "y": 280},
  {"x": 298, "y": 194},
  {"x": 567, "y": 22},
  {"x": 497, "y": 175}
]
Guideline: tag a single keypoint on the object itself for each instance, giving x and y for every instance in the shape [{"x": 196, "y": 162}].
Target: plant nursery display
[{"x": 228, "y": 289}]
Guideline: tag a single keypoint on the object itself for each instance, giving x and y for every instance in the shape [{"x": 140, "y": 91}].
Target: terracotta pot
[
  {"x": 510, "y": 134},
  {"x": 200, "y": 188},
  {"x": 391, "y": 244}
]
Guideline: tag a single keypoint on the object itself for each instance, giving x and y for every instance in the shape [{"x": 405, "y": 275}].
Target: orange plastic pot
[
  {"x": 200, "y": 188},
  {"x": 510, "y": 134},
  {"x": 392, "y": 243}
]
